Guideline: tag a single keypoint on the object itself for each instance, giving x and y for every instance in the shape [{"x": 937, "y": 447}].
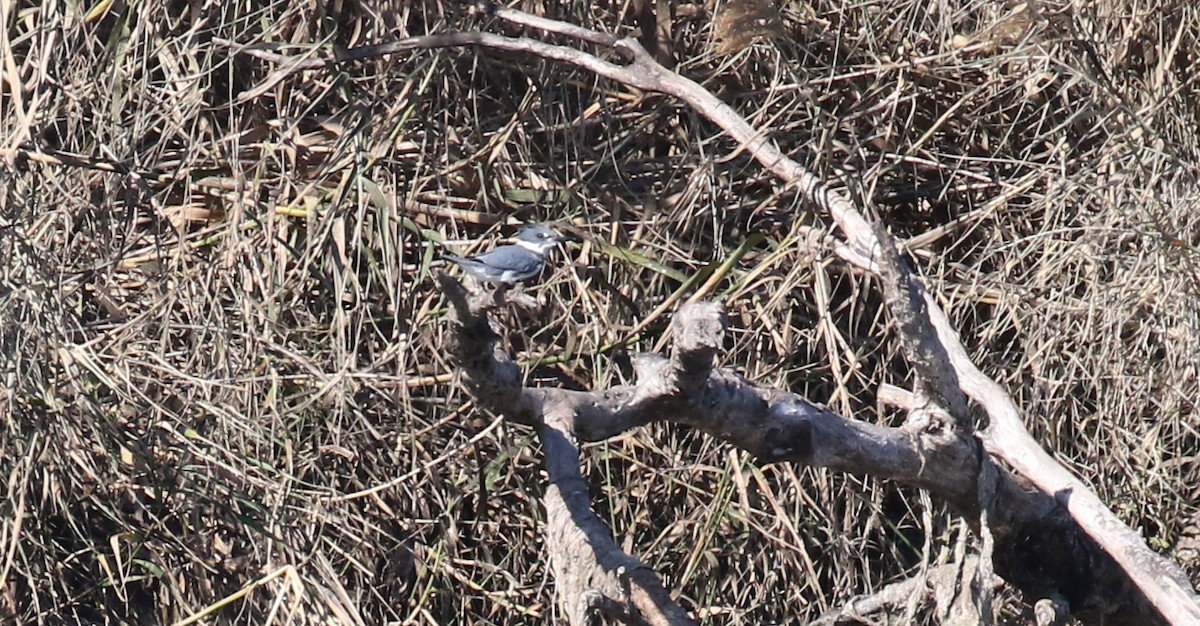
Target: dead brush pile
[{"x": 224, "y": 388}]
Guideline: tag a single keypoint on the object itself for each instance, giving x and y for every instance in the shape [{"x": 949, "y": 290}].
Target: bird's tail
[{"x": 457, "y": 260}]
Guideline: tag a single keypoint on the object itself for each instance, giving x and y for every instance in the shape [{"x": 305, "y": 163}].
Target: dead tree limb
[
  {"x": 948, "y": 585},
  {"x": 1051, "y": 538},
  {"x": 773, "y": 425},
  {"x": 593, "y": 574}
]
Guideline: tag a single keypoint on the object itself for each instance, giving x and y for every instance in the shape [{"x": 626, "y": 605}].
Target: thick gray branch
[
  {"x": 809, "y": 433},
  {"x": 1040, "y": 548},
  {"x": 593, "y": 574},
  {"x": 937, "y": 383},
  {"x": 1159, "y": 581}
]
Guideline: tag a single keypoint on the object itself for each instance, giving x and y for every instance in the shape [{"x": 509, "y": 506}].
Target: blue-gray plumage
[{"x": 509, "y": 264}]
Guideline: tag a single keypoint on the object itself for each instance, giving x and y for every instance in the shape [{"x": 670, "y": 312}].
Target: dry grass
[{"x": 223, "y": 387}]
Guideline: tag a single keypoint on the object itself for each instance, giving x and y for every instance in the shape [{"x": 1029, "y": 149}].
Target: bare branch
[
  {"x": 1161, "y": 583},
  {"x": 937, "y": 382},
  {"x": 522, "y": 18},
  {"x": 591, "y": 571},
  {"x": 807, "y": 434},
  {"x": 948, "y": 583}
]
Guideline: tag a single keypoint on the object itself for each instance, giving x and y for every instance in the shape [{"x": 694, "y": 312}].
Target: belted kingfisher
[{"x": 509, "y": 264}]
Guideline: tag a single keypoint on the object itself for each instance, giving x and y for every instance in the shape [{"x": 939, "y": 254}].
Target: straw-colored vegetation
[{"x": 223, "y": 386}]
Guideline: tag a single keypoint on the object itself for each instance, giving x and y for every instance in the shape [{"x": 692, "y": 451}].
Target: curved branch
[
  {"x": 593, "y": 573},
  {"x": 1161, "y": 583},
  {"x": 811, "y": 435},
  {"x": 773, "y": 425}
]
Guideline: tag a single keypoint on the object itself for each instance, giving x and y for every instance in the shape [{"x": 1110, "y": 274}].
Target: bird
[{"x": 508, "y": 265}]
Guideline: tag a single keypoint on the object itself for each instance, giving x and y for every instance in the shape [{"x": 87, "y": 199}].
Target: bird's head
[{"x": 538, "y": 238}]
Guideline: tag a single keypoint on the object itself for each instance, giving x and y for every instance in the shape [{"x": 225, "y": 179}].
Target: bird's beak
[{"x": 559, "y": 236}]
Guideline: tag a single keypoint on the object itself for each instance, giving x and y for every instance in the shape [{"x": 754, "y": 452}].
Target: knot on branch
[
  {"x": 699, "y": 330},
  {"x": 656, "y": 377},
  {"x": 788, "y": 432}
]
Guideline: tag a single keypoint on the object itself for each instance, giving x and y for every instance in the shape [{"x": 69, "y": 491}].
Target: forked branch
[{"x": 1051, "y": 537}]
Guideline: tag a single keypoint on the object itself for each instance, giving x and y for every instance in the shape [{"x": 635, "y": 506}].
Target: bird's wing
[{"x": 510, "y": 258}]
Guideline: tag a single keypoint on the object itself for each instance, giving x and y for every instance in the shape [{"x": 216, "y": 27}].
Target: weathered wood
[{"x": 1053, "y": 537}]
